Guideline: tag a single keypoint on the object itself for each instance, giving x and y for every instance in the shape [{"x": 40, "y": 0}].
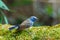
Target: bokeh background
[{"x": 47, "y": 11}]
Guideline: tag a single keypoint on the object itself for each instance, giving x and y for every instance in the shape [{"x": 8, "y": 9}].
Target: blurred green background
[{"x": 20, "y": 10}]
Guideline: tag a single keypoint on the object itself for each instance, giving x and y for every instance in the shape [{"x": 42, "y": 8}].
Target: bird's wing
[
  {"x": 25, "y": 22},
  {"x": 24, "y": 25}
]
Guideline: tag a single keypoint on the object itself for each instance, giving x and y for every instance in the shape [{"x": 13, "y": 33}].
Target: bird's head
[{"x": 33, "y": 18}]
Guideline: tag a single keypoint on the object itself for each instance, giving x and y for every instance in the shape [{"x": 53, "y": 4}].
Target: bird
[
  {"x": 25, "y": 24},
  {"x": 3, "y": 5}
]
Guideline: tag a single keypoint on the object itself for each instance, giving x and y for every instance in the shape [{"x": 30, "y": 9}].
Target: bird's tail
[{"x": 14, "y": 27}]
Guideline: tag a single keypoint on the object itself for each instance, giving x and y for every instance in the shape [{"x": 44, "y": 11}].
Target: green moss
[{"x": 34, "y": 33}]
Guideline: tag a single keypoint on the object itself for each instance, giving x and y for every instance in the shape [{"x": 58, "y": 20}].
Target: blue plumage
[
  {"x": 25, "y": 24},
  {"x": 33, "y": 18}
]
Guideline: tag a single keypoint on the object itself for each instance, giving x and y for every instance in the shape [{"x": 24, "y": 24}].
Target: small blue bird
[{"x": 25, "y": 24}]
